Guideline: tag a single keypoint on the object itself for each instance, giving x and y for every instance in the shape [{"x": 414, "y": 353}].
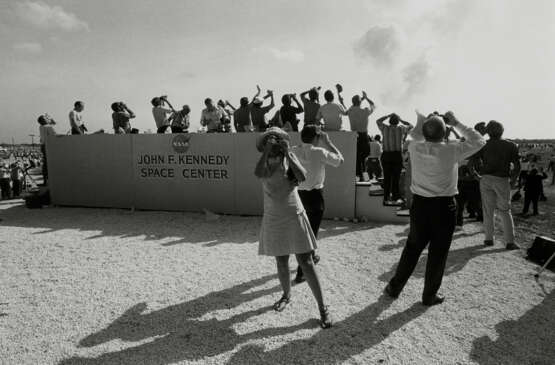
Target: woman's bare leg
[
  {"x": 283, "y": 274},
  {"x": 307, "y": 265}
]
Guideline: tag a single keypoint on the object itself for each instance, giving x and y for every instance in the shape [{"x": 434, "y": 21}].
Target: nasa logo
[{"x": 180, "y": 143}]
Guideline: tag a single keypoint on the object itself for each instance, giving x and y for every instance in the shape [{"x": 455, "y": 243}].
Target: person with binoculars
[
  {"x": 161, "y": 114},
  {"x": 120, "y": 117}
]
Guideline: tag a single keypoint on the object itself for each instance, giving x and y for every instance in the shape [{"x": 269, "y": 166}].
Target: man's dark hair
[
  {"x": 244, "y": 101},
  {"x": 356, "y": 100},
  {"x": 377, "y": 138},
  {"x": 313, "y": 94},
  {"x": 394, "y": 119},
  {"x": 77, "y": 104},
  {"x": 309, "y": 133},
  {"x": 115, "y": 106},
  {"x": 42, "y": 120},
  {"x": 495, "y": 129},
  {"x": 156, "y": 101},
  {"x": 286, "y": 99},
  {"x": 328, "y": 95},
  {"x": 207, "y": 101}
]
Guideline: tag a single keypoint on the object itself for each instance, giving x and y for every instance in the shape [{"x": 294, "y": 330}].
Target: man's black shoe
[
  {"x": 390, "y": 292},
  {"x": 436, "y": 299},
  {"x": 488, "y": 242},
  {"x": 511, "y": 246}
]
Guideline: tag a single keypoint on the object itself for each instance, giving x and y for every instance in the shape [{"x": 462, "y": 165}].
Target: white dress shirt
[
  {"x": 314, "y": 160},
  {"x": 435, "y": 165}
]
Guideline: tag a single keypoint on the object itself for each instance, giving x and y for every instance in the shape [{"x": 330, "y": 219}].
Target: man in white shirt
[
  {"x": 331, "y": 113},
  {"x": 211, "y": 117},
  {"x": 161, "y": 114},
  {"x": 434, "y": 164},
  {"x": 75, "y": 119},
  {"x": 314, "y": 159}
]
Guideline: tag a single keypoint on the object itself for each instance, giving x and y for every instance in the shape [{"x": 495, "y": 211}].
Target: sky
[{"x": 487, "y": 59}]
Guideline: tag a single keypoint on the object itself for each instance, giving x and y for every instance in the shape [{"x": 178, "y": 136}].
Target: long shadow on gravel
[
  {"x": 347, "y": 338},
  {"x": 177, "y": 333},
  {"x": 456, "y": 261},
  {"x": 527, "y": 340}
]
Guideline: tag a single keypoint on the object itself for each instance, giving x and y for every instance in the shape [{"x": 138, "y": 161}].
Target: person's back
[
  {"x": 497, "y": 156},
  {"x": 242, "y": 119},
  {"x": 358, "y": 118}
]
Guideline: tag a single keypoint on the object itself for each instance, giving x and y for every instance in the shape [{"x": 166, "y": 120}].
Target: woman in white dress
[{"x": 285, "y": 227}]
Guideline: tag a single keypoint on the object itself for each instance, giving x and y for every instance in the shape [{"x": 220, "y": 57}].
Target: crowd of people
[
  {"x": 436, "y": 168},
  {"x": 445, "y": 176}
]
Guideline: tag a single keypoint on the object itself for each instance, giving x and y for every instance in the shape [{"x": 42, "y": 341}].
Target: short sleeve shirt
[
  {"x": 331, "y": 113},
  {"x": 358, "y": 117},
  {"x": 241, "y": 118},
  {"x": 310, "y": 110}
]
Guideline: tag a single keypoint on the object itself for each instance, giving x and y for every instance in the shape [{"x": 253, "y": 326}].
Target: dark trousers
[
  {"x": 363, "y": 150},
  {"x": 432, "y": 221},
  {"x": 313, "y": 202},
  {"x": 44, "y": 164},
  {"x": 162, "y": 129},
  {"x": 5, "y": 186},
  {"x": 469, "y": 196},
  {"x": 178, "y": 130},
  {"x": 16, "y": 187},
  {"x": 374, "y": 168},
  {"x": 392, "y": 164},
  {"x": 531, "y": 197}
]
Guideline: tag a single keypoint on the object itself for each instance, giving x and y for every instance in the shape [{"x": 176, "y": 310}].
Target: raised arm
[
  {"x": 131, "y": 114},
  {"x": 372, "y": 105},
  {"x": 416, "y": 132},
  {"x": 380, "y": 121},
  {"x": 299, "y": 108},
  {"x": 473, "y": 140},
  {"x": 257, "y": 93},
  {"x": 229, "y": 105}
]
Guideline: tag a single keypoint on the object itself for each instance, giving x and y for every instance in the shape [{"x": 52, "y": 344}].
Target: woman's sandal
[
  {"x": 281, "y": 304},
  {"x": 325, "y": 319}
]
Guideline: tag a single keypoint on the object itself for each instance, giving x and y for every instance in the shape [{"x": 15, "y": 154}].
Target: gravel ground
[{"x": 107, "y": 286}]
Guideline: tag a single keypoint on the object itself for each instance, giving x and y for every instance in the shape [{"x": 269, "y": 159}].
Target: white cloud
[
  {"x": 28, "y": 47},
  {"x": 44, "y": 16},
  {"x": 289, "y": 55},
  {"x": 379, "y": 44}
]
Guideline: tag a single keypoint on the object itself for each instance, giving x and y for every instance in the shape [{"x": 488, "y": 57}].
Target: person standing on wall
[
  {"x": 76, "y": 120},
  {"x": 495, "y": 183},
  {"x": 310, "y": 105},
  {"x": 211, "y": 117},
  {"x": 179, "y": 121},
  {"x": 434, "y": 165},
  {"x": 287, "y": 116},
  {"x": 331, "y": 113},
  {"x": 358, "y": 117},
  {"x": 285, "y": 229},
  {"x": 161, "y": 114},
  {"x": 393, "y": 135},
  {"x": 120, "y": 118},
  {"x": 315, "y": 152}
]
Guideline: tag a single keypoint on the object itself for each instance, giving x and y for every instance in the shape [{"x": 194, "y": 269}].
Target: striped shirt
[{"x": 393, "y": 136}]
